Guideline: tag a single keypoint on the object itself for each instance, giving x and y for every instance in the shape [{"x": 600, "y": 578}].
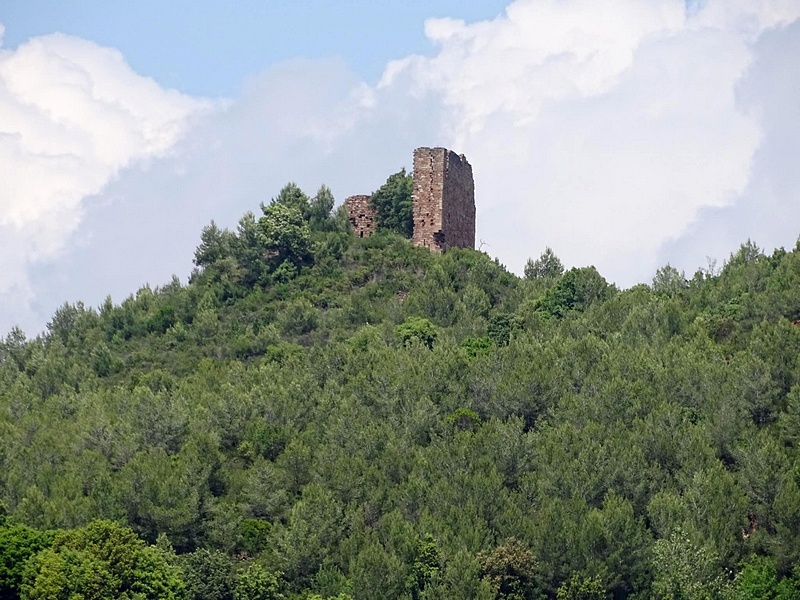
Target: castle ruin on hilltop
[{"x": 443, "y": 202}]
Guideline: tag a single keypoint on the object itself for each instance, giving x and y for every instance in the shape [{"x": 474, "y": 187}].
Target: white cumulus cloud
[
  {"x": 598, "y": 127},
  {"x": 72, "y": 115}
]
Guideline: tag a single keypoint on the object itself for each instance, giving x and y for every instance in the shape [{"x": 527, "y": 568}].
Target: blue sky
[
  {"x": 625, "y": 134},
  {"x": 207, "y": 47}
]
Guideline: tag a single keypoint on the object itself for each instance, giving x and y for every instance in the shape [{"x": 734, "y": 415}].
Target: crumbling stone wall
[
  {"x": 443, "y": 200},
  {"x": 361, "y": 215}
]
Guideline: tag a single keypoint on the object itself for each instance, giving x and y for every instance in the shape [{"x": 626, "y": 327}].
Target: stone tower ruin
[{"x": 443, "y": 202}]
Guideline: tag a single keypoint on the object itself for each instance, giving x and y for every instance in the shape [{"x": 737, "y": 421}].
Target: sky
[{"x": 624, "y": 134}]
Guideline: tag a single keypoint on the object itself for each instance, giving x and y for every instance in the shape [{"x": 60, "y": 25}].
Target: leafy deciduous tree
[
  {"x": 392, "y": 204},
  {"x": 101, "y": 560}
]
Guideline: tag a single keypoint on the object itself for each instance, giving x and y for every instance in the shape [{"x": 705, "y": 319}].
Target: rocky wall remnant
[
  {"x": 361, "y": 215},
  {"x": 443, "y": 200}
]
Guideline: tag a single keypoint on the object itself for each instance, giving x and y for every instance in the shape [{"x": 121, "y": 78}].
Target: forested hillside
[{"x": 320, "y": 416}]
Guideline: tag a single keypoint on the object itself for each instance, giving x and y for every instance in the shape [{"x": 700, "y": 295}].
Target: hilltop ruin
[{"x": 443, "y": 202}]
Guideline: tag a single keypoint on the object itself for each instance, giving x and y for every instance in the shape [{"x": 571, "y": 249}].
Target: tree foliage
[
  {"x": 575, "y": 291},
  {"x": 417, "y": 329},
  {"x": 511, "y": 569},
  {"x": 315, "y": 415},
  {"x": 101, "y": 560},
  {"x": 393, "y": 204},
  {"x": 18, "y": 543},
  {"x": 547, "y": 267},
  {"x": 285, "y": 236}
]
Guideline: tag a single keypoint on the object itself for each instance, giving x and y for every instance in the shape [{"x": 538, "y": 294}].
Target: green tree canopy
[
  {"x": 419, "y": 329},
  {"x": 510, "y": 568},
  {"x": 215, "y": 244},
  {"x": 101, "y": 560},
  {"x": 575, "y": 291},
  {"x": 668, "y": 281},
  {"x": 393, "y": 205},
  {"x": 547, "y": 266},
  {"x": 18, "y": 543},
  {"x": 292, "y": 196},
  {"x": 285, "y": 236},
  {"x": 281, "y": 420},
  {"x": 319, "y": 210}
]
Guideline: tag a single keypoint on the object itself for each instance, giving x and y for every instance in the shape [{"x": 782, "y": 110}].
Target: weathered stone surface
[
  {"x": 361, "y": 215},
  {"x": 443, "y": 200}
]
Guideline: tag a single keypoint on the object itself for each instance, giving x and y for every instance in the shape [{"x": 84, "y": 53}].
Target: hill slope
[{"x": 316, "y": 413}]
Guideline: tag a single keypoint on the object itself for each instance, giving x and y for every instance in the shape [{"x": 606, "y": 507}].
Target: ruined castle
[{"x": 443, "y": 202}]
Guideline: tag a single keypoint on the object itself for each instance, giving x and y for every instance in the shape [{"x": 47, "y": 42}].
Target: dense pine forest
[{"x": 319, "y": 416}]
